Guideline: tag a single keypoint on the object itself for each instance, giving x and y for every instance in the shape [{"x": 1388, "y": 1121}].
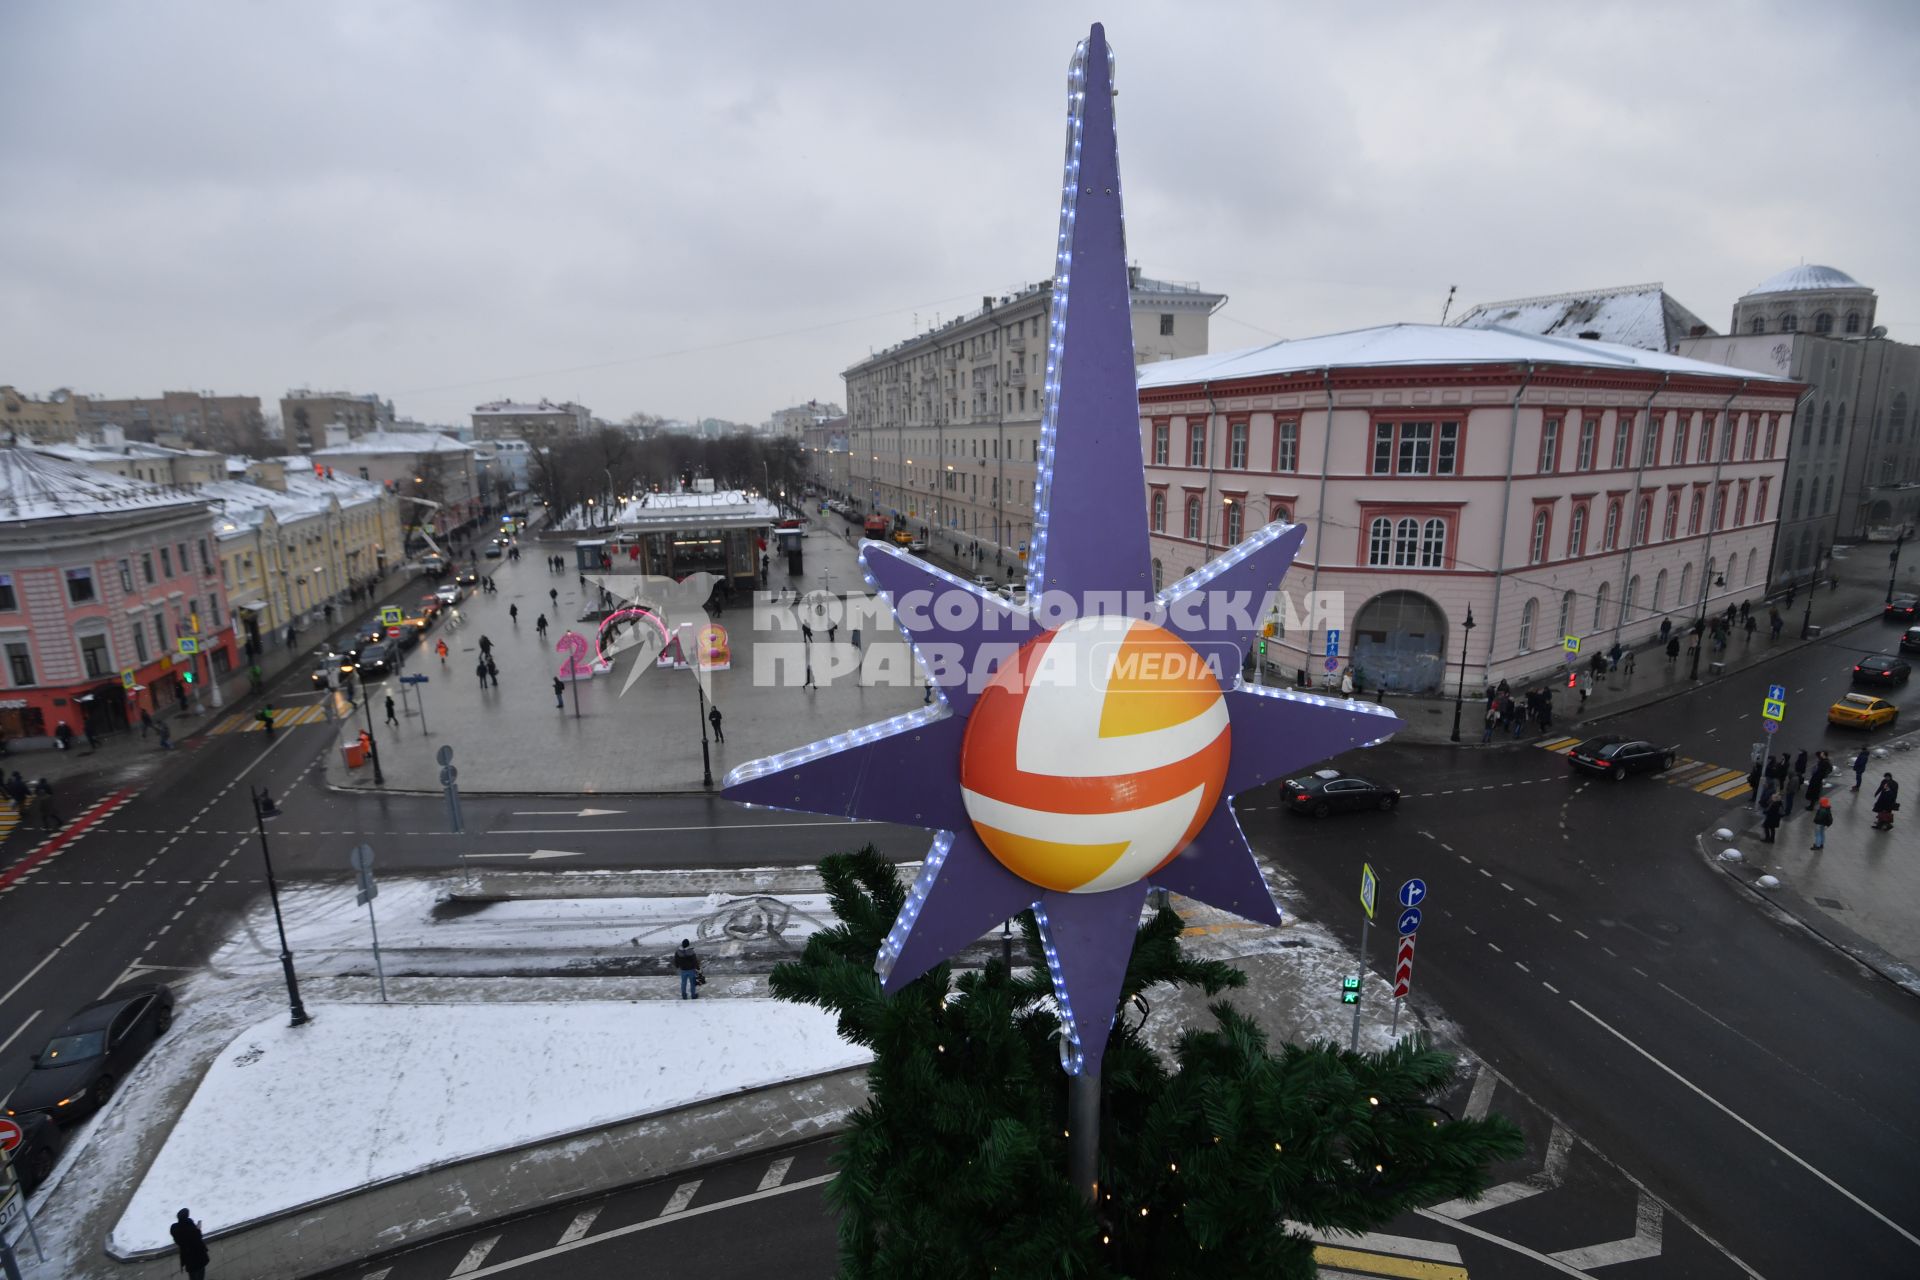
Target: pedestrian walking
[
  {"x": 806, "y": 634},
  {"x": 63, "y": 737},
  {"x": 493, "y": 671},
  {"x": 1492, "y": 719},
  {"x": 1753, "y": 780},
  {"x": 265, "y": 716},
  {"x": 688, "y": 964},
  {"x": 808, "y": 682},
  {"x": 1666, "y": 629},
  {"x": 1886, "y": 798},
  {"x": 513, "y": 611},
  {"x": 17, "y": 792},
  {"x": 1752, "y": 627},
  {"x": 146, "y": 722},
  {"x": 1859, "y": 768},
  {"x": 540, "y": 626},
  {"x": 1822, "y": 819},
  {"x": 486, "y": 646},
  {"x": 1613, "y": 656},
  {"x": 554, "y": 595},
  {"x": 392, "y": 719},
  {"x": 1774, "y": 623},
  {"x": 480, "y": 669},
  {"x": 559, "y": 693},
  {"x": 833, "y": 633},
  {"x": 854, "y": 635},
  {"x": 50, "y": 816},
  {"x": 1673, "y": 652},
  {"x": 713, "y": 718},
  {"x": 1771, "y": 822},
  {"x": 1346, "y": 683},
  {"x": 191, "y": 1245},
  {"x": 166, "y": 736},
  {"x": 440, "y": 647}
]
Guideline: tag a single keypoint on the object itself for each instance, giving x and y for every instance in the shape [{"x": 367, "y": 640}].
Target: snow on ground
[{"x": 370, "y": 1093}]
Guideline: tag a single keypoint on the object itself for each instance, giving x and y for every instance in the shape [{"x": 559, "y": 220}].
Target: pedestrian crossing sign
[
  {"x": 187, "y": 645},
  {"x": 1773, "y": 709},
  {"x": 129, "y": 677},
  {"x": 390, "y": 616},
  {"x": 1570, "y": 643}
]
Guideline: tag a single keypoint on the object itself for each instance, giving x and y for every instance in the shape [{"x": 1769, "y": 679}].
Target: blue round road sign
[
  {"x": 1333, "y": 664},
  {"x": 1771, "y": 726},
  {"x": 1409, "y": 921},
  {"x": 1413, "y": 893}
]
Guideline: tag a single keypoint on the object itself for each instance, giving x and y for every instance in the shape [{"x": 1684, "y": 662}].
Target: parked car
[
  {"x": 1613, "y": 756},
  {"x": 1903, "y": 607},
  {"x": 1331, "y": 791},
  {"x": 1878, "y": 668},
  {"x": 983, "y": 580},
  {"x": 75, "y": 1072},
  {"x": 377, "y": 659},
  {"x": 41, "y": 1141},
  {"x": 338, "y": 664},
  {"x": 1910, "y": 640},
  {"x": 918, "y": 546},
  {"x": 1861, "y": 711}
]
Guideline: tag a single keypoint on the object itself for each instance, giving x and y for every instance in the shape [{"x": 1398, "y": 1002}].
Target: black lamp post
[
  {"x": 1460, "y": 693},
  {"x": 1893, "y": 562},
  {"x": 263, "y": 808},
  {"x": 706, "y": 759}
]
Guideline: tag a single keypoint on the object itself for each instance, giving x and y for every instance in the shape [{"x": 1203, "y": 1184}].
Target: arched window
[
  {"x": 1759, "y": 325},
  {"x": 1826, "y": 420},
  {"x": 1627, "y": 601},
  {"x": 1159, "y": 575},
  {"x": 1853, "y": 322},
  {"x": 1707, "y": 580},
  {"x": 1897, "y": 416},
  {"x": 1660, "y": 591},
  {"x": 1693, "y": 514},
  {"x": 1789, "y": 324},
  {"x": 1799, "y": 492},
  {"x": 1642, "y": 521},
  {"x": 1610, "y": 536},
  {"x": 1806, "y": 424},
  {"x": 1406, "y": 542},
  {"x": 1840, "y": 422},
  {"x": 1538, "y": 553},
  {"x": 1159, "y": 512},
  {"x": 1600, "y": 607},
  {"x": 1193, "y": 518},
  {"x": 1680, "y": 422},
  {"x": 1827, "y": 505},
  {"x": 1230, "y": 521},
  {"x": 1685, "y": 599},
  {"x": 1380, "y": 541},
  {"x": 1278, "y": 511},
  {"x": 1566, "y": 614},
  {"x": 1823, "y": 322},
  {"x": 1670, "y": 527},
  {"x": 1528, "y": 612},
  {"x": 1433, "y": 544},
  {"x": 1577, "y": 532}
]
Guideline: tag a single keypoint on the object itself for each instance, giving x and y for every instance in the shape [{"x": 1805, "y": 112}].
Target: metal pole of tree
[
  {"x": 1083, "y": 1132},
  {"x": 1460, "y": 693},
  {"x": 262, "y": 804},
  {"x": 1366, "y": 929}
]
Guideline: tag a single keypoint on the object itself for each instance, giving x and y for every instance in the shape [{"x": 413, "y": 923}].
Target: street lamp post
[
  {"x": 263, "y": 808},
  {"x": 1460, "y": 693},
  {"x": 706, "y": 758}
]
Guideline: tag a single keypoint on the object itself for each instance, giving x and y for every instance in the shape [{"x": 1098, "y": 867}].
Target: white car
[{"x": 450, "y": 593}]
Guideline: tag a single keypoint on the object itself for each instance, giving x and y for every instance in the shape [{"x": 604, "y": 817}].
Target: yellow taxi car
[{"x": 1861, "y": 711}]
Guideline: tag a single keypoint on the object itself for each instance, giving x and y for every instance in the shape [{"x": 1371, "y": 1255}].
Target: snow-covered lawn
[{"x": 370, "y": 1093}]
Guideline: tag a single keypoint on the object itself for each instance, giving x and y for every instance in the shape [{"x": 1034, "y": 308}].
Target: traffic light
[
  {"x": 1572, "y": 676},
  {"x": 188, "y": 675},
  {"x": 1263, "y": 646},
  {"x": 1350, "y": 989}
]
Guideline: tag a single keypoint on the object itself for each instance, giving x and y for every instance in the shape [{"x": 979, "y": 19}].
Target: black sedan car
[
  {"x": 376, "y": 660},
  {"x": 75, "y": 1073},
  {"x": 1615, "y": 757},
  {"x": 1878, "y": 668},
  {"x": 1902, "y": 607},
  {"x": 1331, "y": 791},
  {"x": 467, "y": 577}
]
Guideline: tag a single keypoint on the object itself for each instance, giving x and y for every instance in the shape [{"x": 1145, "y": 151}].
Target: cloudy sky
[{"x": 715, "y": 208}]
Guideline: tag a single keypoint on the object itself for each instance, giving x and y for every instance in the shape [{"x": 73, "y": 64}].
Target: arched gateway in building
[{"x": 1400, "y": 642}]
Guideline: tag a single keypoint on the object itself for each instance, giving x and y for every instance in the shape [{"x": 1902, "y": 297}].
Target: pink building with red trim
[
  {"x": 100, "y": 576},
  {"x": 1554, "y": 487}
]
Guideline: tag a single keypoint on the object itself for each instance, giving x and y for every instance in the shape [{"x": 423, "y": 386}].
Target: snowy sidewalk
[{"x": 369, "y": 1094}]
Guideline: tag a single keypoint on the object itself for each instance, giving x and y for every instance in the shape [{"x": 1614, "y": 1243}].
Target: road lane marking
[
  {"x": 775, "y": 1175},
  {"x": 1380, "y": 1264},
  {"x": 581, "y": 1221},
  {"x": 1552, "y": 1171},
  {"x": 1481, "y": 1095},
  {"x": 83, "y": 822},
  {"x": 475, "y": 1256},
  {"x": 682, "y": 1197},
  {"x": 1643, "y": 1243},
  {"x": 5, "y": 1044},
  {"x": 28, "y": 975},
  {"x": 1505, "y": 1243},
  {"x": 1748, "y": 1125},
  {"x": 647, "y": 1224}
]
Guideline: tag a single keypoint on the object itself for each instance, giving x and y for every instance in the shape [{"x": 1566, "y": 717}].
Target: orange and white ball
[{"x": 1096, "y": 755}]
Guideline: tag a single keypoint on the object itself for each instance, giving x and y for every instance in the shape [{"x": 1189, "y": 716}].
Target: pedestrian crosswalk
[
  {"x": 286, "y": 717},
  {"x": 9, "y": 819},
  {"x": 1703, "y": 776}
]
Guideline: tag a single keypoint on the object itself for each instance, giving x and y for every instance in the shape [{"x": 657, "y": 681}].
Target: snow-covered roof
[
  {"x": 239, "y": 506},
  {"x": 545, "y": 406},
  {"x": 1424, "y": 344},
  {"x": 35, "y": 486},
  {"x": 394, "y": 442},
  {"x": 83, "y": 452},
  {"x": 728, "y": 508},
  {"x": 1805, "y": 278},
  {"x": 1634, "y": 315}
]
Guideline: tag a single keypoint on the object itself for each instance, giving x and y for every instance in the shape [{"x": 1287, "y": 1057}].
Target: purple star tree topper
[{"x": 1063, "y": 709}]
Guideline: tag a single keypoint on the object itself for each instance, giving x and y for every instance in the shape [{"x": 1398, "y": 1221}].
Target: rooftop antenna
[{"x": 1448, "y": 305}]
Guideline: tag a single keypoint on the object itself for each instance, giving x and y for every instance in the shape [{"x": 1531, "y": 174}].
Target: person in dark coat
[
  {"x": 493, "y": 671},
  {"x": 1859, "y": 769},
  {"x": 392, "y": 719},
  {"x": 50, "y": 816},
  {"x": 1753, "y": 780},
  {"x": 559, "y": 693},
  {"x": 191, "y": 1244},
  {"x": 1885, "y": 800},
  {"x": 1673, "y": 652},
  {"x": 713, "y": 718},
  {"x": 480, "y": 669},
  {"x": 688, "y": 964},
  {"x": 17, "y": 792},
  {"x": 1771, "y": 823},
  {"x": 486, "y": 645}
]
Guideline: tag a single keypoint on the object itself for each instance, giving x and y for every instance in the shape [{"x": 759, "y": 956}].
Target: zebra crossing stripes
[
  {"x": 1701, "y": 776},
  {"x": 9, "y": 819},
  {"x": 291, "y": 716}
]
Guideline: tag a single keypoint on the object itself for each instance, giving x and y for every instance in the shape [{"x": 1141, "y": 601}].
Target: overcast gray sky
[{"x": 716, "y": 208}]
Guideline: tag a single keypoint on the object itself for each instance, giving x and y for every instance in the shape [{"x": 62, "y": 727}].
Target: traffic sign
[
  {"x": 1570, "y": 643},
  {"x": 129, "y": 678},
  {"x": 1773, "y": 709},
  {"x": 187, "y": 645},
  {"x": 10, "y": 1134},
  {"x": 1333, "y": 664},
  {"x": 1333, "y": 641},
  {"x": 1350, "y": 989},
  {"x": 361, "y": 859},
  {"x": 413, "y": 679},
  {"x": 1777, "y": 692},
  {"x": 390, "y": 615},
  {"x": 1369, "y": 884},
  {"x": 1403, "y": 968},
  {"x": 444, "y": 755},
  {"x": 1409, "y": 921},
  {"x": 368, "y": 892},
  {"x": 1413, "y": 892},
  {"x": 448, "y": 775},
  {"x": 1771, "y": 727}
]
